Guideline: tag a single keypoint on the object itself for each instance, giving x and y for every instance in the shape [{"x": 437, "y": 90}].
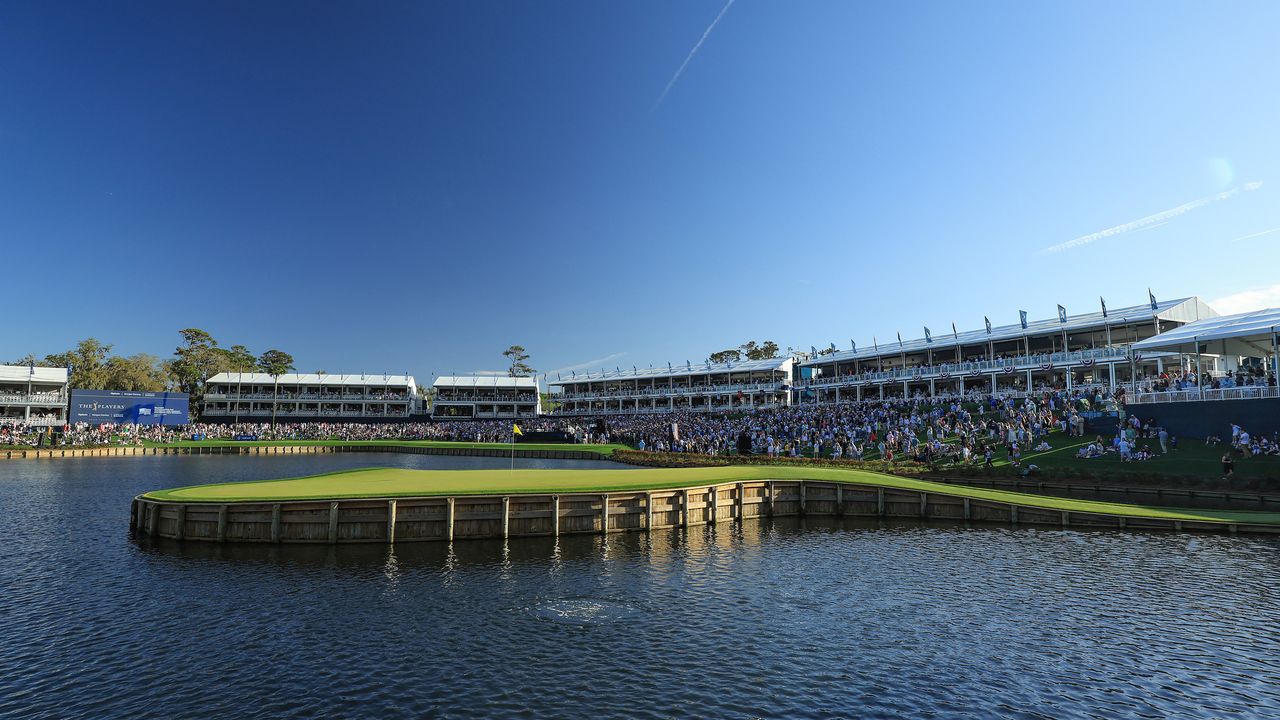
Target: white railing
[
  {"x": 981, "y": 367},
  {"x": 668, "y": 391},
  {"x": 371, "y": 397},
  {"x": 33, "y": 399},
  {"x": 1249, "y": 392}
]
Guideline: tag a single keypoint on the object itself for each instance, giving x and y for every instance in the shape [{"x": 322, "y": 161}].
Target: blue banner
[{"x": 124, "y": 407}]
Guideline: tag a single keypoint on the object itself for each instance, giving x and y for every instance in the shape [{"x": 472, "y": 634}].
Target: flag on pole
[
  {"x": 899, "y": 340},
  {"x": 1104, "y": 305},
  {"x": 515, "y": 430},
  {"x": 1152, "y": 297},
  {"x": 833, "y": 347},
  {"x": 875, "y": 344},
  {"x": 1022, "y": 317},
  {"x": 954, "y": 333},
  {"x": 1062, "y": 315},
  {"x": 928, "y": 337},
  {"x": 853, "y": 346},
  {"x": 813, "y": 351},
  {"x": 987, "y": 320}
]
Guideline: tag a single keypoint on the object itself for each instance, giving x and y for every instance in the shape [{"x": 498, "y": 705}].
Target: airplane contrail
[
  {"x": 694, "y": 51},
  {"x": 1151, "y": 220}
]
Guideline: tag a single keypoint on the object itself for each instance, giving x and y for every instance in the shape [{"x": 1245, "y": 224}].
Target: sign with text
[{"x": 126, "y": 407}]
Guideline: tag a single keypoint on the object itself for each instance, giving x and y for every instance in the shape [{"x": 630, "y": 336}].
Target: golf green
[{"x": 395, "y": 482}]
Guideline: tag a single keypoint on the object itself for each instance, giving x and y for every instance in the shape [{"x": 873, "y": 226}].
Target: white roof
[
  {"x": 23, "y": 373},
  {"x": 679, "y": 371},
  {"x": 315, "y": 379},
  {"x": 1182, "y": 310},
  {"x": 1247, "y": 334},
  {"x": 486, "y": 381}
]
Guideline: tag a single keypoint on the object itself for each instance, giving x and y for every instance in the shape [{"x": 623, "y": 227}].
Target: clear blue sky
[{"x": 414, "y": 186}]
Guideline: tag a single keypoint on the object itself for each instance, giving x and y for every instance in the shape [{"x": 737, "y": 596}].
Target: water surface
[{"x": 787, "y": 619}]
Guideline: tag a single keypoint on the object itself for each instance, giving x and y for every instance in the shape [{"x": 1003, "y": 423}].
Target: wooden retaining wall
[
  {"x": 1160, "y": 497},
  {"x": 464, "y": 517},
  {"x": 130, "y": 451}
]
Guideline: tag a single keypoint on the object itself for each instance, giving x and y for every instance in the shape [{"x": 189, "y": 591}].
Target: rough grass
[{"x": 396, "y": 482}]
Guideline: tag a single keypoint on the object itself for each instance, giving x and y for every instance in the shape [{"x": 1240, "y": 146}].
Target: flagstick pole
[{"x": 513, "y": 447}]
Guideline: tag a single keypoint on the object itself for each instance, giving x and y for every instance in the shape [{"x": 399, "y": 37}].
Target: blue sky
[{"x": 415, "y": 186}]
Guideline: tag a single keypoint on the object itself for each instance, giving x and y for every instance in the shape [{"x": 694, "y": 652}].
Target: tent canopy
[{"x": 1247, "y": 334}]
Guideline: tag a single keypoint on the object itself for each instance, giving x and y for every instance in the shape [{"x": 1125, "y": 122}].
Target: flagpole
[{"x": 513, "y": 447}]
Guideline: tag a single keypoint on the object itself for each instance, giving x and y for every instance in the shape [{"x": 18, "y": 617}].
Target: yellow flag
[{"x": 516, "y": 430}]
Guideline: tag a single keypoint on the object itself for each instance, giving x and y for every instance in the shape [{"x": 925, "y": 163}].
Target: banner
[{"x": 123, "y": 407}]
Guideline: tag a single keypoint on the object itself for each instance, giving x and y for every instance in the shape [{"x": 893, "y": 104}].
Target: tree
[
  {"x": 724, "y": 356},
  {"x": 237, "y": 359},
  {"x": 194, "y": 361},
  {"x": 275, "y": 363},
  {"x": 87, "y": 362},
  {"x": 516, "y": 355},
  {"x": 762, "y": 351},
  {"x": 140, "y": 372}
]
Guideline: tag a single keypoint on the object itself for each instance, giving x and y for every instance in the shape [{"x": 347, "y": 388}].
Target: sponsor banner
[
  {"x": 123, "y": 407},
  {"x": 246, "y": 437}
]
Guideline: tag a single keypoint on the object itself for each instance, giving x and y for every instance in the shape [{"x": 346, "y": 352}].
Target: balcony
[
  {"x": 1042, "y": 362},
  {"x": 44, "y": 399}
]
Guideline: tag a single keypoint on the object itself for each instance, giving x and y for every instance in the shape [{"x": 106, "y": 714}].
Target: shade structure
[{"x": 1249, "y": 334}]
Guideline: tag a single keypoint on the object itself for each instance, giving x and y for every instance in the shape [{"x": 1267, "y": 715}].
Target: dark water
[{"x": 778, "y": 620}]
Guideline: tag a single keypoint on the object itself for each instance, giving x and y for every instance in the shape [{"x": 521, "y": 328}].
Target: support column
[
  {"x": 1112, "y": 368},
  {"x": 506, "y": 517},
  {"x": 333, "y": 522},
  {"x": 391, "y": 522},
  {"x": 555, "y": 516},
  {"x": 448, "y": 518},
  {"x": 738, "y": 500},
  {"x": 604, "y": 514}
]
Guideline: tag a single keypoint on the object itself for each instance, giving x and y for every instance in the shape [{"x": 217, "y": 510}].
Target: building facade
[
  {"x": 703, "y": 387},
  {"x": 254, "y": 397},
  {"x": 486, "y": 396},
  {"x": 33, "y": 395},
  {"x": 1066, "y": 351}
]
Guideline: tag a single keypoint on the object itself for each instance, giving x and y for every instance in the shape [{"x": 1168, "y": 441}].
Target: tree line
[{"x": 92, "y": 365}]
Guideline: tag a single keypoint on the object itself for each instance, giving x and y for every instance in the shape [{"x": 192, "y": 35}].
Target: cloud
[
  {"x": 588, "y": 364},
  {"x": 1150, "y": 221},
  {"x": 1246, "y": 300},
  {"x": 680, "y": 71},
  {"x": 488, "y": 373},
  {"x": 1257, "y": 234}
]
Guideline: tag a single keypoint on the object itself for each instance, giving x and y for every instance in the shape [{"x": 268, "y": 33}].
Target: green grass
[
  {"x": 598, "y": 449},
  {"x": 1192, "y": 459},
  {"x": 395, "y": 482}
]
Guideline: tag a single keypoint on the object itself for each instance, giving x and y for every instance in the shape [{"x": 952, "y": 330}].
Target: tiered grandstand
[
  {"x": 233, "y": 397},
  {"x": 698, "y": 388},
  {"x": 33, "y": 395},
  {"x": 1062, "y": 352},
  {"x": 486, "y": 396}
]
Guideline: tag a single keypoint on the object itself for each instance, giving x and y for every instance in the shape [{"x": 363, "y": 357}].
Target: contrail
[
  {"x": 692, "y": 52},
  {"x": 1257, "y": 234},
  {"x": 1158, "y": 218}
]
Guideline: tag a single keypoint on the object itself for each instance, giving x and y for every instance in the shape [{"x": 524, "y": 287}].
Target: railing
[
  {"x": 33, "y": 399},
  {"x": 980, "y": 367},
  {"x": 40, "y": 421},
  {"x": 668, "y": 391},
  {"x": 281, "y": 413},
  {"x": 373, "y": 397},
  {"x": 1248, "y": 392}
]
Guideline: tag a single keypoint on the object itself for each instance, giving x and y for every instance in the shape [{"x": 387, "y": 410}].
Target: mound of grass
[{"x": 396, "y": 482}]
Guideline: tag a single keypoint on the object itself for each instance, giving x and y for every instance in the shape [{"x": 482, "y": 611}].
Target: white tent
[{"x": 1250, "y": 334}]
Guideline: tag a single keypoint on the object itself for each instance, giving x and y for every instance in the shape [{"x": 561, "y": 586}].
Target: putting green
[{"x": 396, "y": 482}]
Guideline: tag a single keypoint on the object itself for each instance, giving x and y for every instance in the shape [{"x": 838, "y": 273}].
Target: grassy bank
[{"x": 395, "y": 482}]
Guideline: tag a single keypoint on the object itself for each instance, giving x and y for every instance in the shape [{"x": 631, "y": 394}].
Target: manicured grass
[
  {"x": 1192, "y": 459},
  {"x": 598, "y": 449},
  {"x": 395, "y": 482}
]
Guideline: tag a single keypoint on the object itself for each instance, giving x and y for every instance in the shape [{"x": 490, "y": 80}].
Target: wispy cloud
[
  {"x": 488, "y": 373},
  {"x": 680, "y": 71},
  {"x": 1150, "y": 221},
  {"x": 1257, "y": 234},
  {"x": 588, "y": 364},
  {"x": 1246, "y": 300}
]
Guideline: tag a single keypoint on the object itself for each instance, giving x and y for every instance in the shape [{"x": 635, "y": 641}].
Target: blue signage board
[{"x": 126, "y": 407}]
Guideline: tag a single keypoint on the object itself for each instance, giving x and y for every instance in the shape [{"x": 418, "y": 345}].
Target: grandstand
[
  {"x": 235, "y": 397},
  {"x": 698, "y": 388},
  {"x": 1064, "y": 352},
  {"x": 33, "y": 395},
  {"x": 486, "y": 396}
]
